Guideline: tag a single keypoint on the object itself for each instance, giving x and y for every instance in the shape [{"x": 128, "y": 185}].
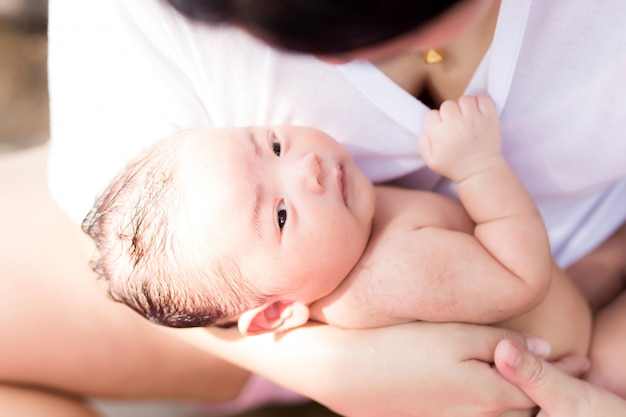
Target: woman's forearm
[{"x": 411, "y": 369}]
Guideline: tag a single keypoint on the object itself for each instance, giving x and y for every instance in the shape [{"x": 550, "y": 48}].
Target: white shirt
[{"x": 125, "y": 73}]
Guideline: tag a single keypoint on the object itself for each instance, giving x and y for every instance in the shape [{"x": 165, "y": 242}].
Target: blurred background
[
  {"x": 23, "y": 80},
  {"x": 24, "y": 122}
]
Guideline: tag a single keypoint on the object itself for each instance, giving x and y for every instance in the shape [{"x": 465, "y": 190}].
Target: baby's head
[{"x": 247, "y": 225}]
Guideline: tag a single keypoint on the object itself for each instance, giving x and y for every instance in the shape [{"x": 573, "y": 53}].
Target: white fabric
[{"x": 124, "y": 73}]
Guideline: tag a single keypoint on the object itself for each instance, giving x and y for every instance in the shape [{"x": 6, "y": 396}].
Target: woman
[{"x": 138, "y": 71}]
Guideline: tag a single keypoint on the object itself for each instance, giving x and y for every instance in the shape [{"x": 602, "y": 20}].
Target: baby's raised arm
[
  {"x": 426, "y": 260},
  {"x": 462, "y": 142}
]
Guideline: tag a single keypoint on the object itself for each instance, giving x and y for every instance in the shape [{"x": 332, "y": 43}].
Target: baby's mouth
[{"x": 343, "y": 186}]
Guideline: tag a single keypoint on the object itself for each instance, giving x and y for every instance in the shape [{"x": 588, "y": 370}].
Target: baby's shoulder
[{"x": 407, "y": 209}]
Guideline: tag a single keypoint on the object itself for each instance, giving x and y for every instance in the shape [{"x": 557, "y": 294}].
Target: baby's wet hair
[{"x": 135, "y": 226}]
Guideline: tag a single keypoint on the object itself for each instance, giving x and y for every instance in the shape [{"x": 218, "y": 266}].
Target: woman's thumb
[{"x": 542, "y": 382}]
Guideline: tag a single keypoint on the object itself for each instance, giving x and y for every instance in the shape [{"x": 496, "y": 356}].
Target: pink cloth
[{"x": 257, "y": 392}]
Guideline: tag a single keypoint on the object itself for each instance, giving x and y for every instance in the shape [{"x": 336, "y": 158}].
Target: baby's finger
[
  {"x": 449, "y": 109},
  {"x": 486, "y": 105},
  {"x": 425, "y": 147},
  {"x": 491, "y": 337},
  {"x": 573, "y": 365},
  {"x": 469, "y": 106}
]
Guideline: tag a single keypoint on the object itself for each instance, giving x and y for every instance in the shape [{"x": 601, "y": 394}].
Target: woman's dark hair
[{"x": 322, "y": 27}]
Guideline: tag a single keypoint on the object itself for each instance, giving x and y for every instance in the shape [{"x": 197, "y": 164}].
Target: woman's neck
[{"x": 435, "y": 83}]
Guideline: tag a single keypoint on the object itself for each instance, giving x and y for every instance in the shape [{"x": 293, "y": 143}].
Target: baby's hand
[{"x": 462, "y": 138}]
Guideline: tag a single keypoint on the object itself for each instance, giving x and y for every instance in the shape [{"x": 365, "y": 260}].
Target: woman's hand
[
  {"x": 553, "y": 388},
  {"x": 412, "y": 369}
]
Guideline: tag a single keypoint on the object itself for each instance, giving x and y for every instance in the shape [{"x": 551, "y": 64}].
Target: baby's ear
[{"x": 275, "y": 316}]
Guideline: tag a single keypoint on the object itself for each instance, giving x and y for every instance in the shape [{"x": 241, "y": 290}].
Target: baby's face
[{"x": 287, "y": 203}]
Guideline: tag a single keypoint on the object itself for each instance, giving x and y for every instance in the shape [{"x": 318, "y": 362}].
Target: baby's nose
[{"x": 310, "y": 170}]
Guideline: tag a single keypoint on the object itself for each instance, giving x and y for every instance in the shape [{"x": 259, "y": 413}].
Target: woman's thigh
[
  {"x": 28, "y": 402},
  {"x": 58, "y": 327}
]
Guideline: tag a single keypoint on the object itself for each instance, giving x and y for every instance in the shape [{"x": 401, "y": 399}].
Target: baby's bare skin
[
  {"x": 601, "y": 276},
  {"x": 428, "y": 260}
]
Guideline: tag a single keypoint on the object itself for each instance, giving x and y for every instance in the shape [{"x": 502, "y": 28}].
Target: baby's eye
[
  {"x": 276, "y": 146},
  {"x": 282, "y": 215}
]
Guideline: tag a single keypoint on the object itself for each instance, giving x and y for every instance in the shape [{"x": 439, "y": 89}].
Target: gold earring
[{"x": 434, "y": 56}]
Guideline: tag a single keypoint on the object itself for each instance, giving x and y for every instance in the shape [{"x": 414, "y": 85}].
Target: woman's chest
[{"x": 432, "y": 84}]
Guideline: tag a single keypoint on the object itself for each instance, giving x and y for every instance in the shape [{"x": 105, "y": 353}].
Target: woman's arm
[{"x": 415, "y": 369}]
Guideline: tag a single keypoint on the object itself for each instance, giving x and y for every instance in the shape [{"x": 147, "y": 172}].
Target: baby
[{"x": 268, "y": 227}]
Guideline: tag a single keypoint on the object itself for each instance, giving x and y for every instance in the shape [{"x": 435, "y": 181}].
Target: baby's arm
[
  {"x": 426, "y": 260},
  {"x": 462, "y": 142}
]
